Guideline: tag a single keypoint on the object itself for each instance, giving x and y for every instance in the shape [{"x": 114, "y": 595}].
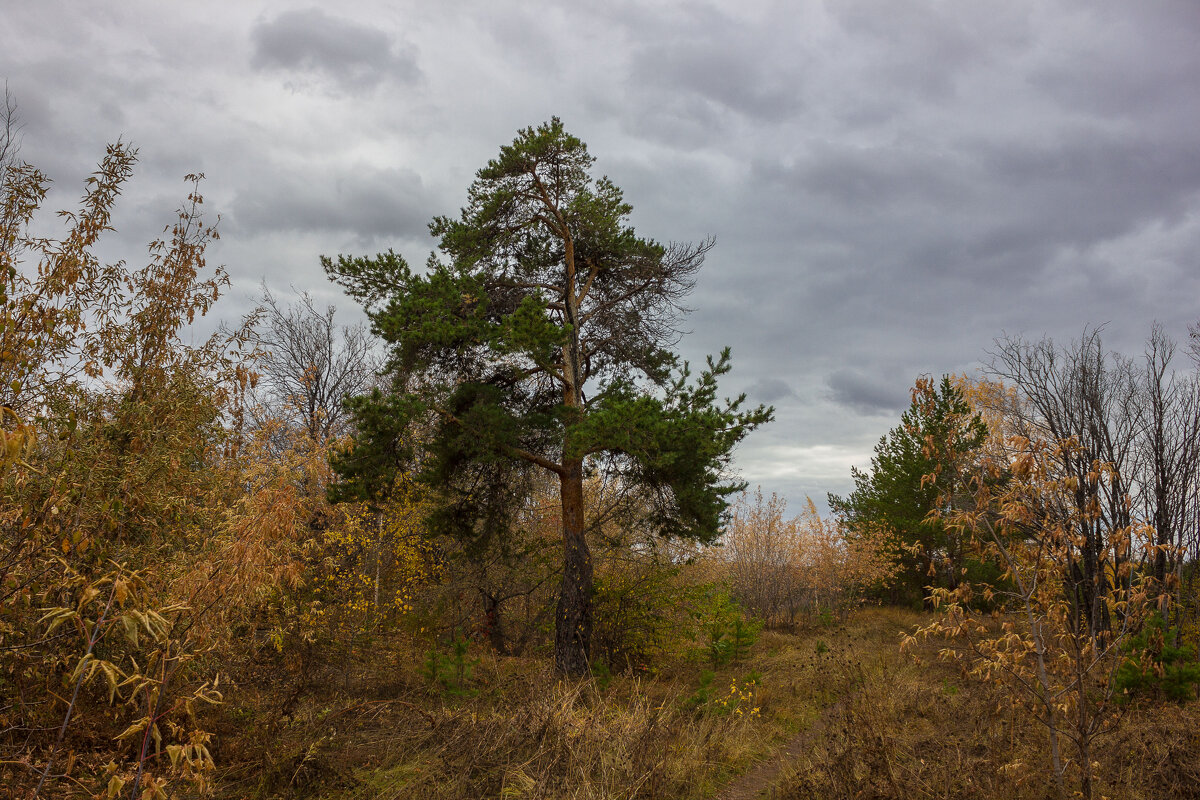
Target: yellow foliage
[
  {"x": 780, "y": 568},
  {"x": 131, "y": 544},
  {"x": 1059, "y": 643}
]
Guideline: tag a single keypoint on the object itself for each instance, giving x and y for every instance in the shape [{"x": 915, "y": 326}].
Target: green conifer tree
[
  {"x": 914, "y": 468},
  {"x": 541, "y": 339}
]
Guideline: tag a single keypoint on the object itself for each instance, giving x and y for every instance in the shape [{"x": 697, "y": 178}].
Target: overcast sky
[{"x": 892, "y": 185}]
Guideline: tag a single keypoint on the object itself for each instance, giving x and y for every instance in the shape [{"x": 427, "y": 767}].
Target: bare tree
[
  {"x": 310, "y": 365},
  {"x": 10, "y": 134},
  {"x": 16, "y": 195},
  {"x": 1130, "y": 447},
  {"x": 1084, "y": 396},
  {"x": 1085, "y": 507},
  {"x": 1169, "y": 456}
]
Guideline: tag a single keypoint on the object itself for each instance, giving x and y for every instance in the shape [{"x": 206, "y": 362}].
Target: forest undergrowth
[
  {"x": 381, "y": 728},
  {"x": 919, "y": 727},
  {"x": 896, "y": 725}
]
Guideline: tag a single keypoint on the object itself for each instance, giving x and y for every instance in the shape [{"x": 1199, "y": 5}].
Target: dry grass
[
  {"x": 928, "y": 731},
  {"x": 568, "y": 741},
  {"x": 380, "y": 730},
  {"x": 525, "y": 733},
  {"x": 901, "y": 730}
]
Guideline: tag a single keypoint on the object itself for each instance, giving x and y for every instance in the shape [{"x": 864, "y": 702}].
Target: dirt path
[{"x": 757, "y": 781}]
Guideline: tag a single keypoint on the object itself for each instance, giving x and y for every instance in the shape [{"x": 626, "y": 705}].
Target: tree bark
[
  {"x": 493, "y": 622},
  {"x": 573, "y": 628}
]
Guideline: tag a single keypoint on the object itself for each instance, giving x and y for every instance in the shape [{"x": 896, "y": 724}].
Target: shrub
[
  {"x": 1154, "y": 668},
  {"x": 451, "y": 671}
]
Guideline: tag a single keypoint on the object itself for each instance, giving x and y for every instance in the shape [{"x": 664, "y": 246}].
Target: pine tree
[
  {"x": 913, "y": 467},
  {"x": 541, "y": 340}
]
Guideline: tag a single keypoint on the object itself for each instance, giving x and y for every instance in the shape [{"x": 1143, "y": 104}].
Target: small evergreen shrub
[
  {"x": 728, "y": 634},
  {"x": 1154, "y": 668},
  {"x": 452, "y": 671}
]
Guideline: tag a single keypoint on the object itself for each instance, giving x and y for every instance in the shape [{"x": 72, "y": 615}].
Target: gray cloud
[
  {"x": 689, "y": 83},
  {"x": 769, "y": 390},
  {"x": 930, "y": 53},
  {"x": 351, "y": 55},
  {"x": 720, "y": 78},
  {"x": 1109, "y": 72},
  {"x": 865, "y": 393},
  {"x": 860, "y": 178},
  {"x": 368, "y": 202},
  {"x": 892, "y": 186}
]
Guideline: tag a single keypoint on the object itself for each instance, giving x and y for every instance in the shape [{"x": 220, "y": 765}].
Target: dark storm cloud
[
  {"x": 1087, "y": 186},
  {"x": 695, "y": 75},
  {"x": 874, "y": 177},
  {"x": 310, "y": 41},
  {"x": 925, "y": 218}
]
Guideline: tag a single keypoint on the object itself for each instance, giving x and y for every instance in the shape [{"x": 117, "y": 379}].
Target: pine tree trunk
[{"x": 573, "y": 623}]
